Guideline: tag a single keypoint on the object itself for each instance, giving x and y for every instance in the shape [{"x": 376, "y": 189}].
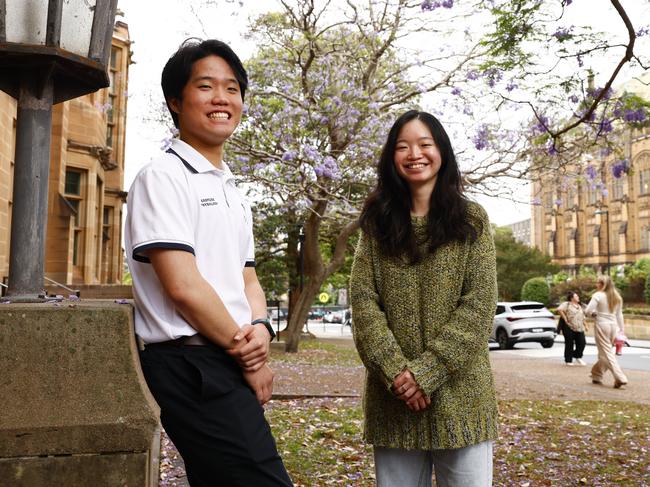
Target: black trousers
[
  {"x": 212, "y": 417},
  {"x": 572, "y": 338}
]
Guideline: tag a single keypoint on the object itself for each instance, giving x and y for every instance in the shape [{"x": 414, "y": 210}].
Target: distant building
[
  {"x": 581, "y": 225},
  {"x": 521, "y": 231},
  {"x": 84, "y": 221}
]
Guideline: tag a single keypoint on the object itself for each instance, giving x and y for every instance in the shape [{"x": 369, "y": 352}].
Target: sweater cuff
[
  {"x": 429, "y": 376},
  {"x": 390, "y": 371}
]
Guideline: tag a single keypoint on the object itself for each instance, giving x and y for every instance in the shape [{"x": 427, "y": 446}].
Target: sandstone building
[
  {"x": 581, "y": 225},
  {"x": 83, "y": 243}
]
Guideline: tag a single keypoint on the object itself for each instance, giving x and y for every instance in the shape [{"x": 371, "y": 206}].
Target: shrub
[
  {"x": 646, "y": 290},
  {"x": 584, "y": 286},
  {"x": 634, "y": 290},
  {"x": 637, "y": 311},
  {"x": 536, "y": 289}
]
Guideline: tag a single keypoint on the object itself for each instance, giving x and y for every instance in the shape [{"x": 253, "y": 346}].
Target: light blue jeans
[{"x": 463, "y": 467}]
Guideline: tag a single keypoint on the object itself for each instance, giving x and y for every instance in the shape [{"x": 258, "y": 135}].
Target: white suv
[{"x": 523, "y": 321}]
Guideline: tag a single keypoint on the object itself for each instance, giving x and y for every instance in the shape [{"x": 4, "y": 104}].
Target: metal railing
[{"x": 76, "y": 292}]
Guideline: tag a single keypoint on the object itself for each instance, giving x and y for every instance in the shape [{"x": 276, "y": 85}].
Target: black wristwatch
[{"x": 266, "y": 323}]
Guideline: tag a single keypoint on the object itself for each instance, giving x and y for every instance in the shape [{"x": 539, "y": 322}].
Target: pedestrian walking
[
  {"x": 200, "y": 311},
  {"x": 423, "y": 294},
  {"x": 573, "y": 329},
  {"x": 606, "y": 306}
]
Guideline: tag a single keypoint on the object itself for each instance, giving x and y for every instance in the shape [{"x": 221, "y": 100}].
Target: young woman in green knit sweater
[{"x": 423, "y": 291}]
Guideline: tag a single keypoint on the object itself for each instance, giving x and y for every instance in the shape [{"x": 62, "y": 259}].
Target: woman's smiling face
[{"x": 417, "y": 158}]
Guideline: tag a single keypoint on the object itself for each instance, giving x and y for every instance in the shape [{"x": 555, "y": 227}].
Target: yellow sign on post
[{"x": 323, "y": 297}]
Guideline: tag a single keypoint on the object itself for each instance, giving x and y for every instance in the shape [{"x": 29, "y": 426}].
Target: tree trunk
[
  {"x": 315, "y": 275},
  {"x": 300, "y": 314}
]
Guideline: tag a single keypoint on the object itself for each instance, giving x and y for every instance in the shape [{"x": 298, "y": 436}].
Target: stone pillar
[{"x": 75, "y": 409}]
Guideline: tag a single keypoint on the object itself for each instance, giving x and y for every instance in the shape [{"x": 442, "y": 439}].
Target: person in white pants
[{"x": 607, "y": 306}]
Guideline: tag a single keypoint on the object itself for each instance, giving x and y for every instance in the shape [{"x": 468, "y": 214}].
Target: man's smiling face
[{"x": 211, "y": 104}]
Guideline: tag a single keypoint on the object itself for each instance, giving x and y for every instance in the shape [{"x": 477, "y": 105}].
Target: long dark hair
[{"x": 386, "y": 215}]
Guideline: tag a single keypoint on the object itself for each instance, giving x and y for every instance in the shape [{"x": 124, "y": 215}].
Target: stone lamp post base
[{"x": 75, "y": 408}]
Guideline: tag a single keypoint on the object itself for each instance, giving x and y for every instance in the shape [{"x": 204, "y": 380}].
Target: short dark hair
[
  {"x": 569, "y": 295},
  {"x": 178, "y": 69},
  {"x": 386, "y": 215}
]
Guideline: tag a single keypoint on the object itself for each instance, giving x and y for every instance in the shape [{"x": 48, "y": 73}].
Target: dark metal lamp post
[
  {"x": 606, "y": 213},
  {"x": 50, "y": 51},
  {"x": 301, "y": 241}
]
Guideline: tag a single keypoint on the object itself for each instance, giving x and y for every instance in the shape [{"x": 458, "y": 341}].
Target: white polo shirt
[{"x": 181, "y": 201}]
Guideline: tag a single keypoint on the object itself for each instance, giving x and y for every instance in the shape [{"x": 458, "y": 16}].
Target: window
[
  {"x": 73, "y": 182},
  {"x": 113, "y": 100},
  {"x": 617, "y": 188},
  {"x": 592, "y": 195},
  {"x": 570, "y": 197},
  {"x": 644, "y": 182},
  {"x": 106, "y": 223},
  {"x": 613, "y": 243},
  {"x": 74, "y": 189},
  {"x": 644, "y": 242},
  {"x": 548, "y": 200}
]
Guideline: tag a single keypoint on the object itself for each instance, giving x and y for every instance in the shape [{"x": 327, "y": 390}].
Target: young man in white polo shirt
[{"x": 200, "y": 309}]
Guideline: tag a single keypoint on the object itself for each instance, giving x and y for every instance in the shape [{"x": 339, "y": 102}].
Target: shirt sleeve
[
  {"x": 468, "y": 329},
  {"x": 377, "y": 346},
  {"x": 619, "y": 318},
  {"x": 592, "y": 307},
  {"x": 563, "y": 306},
  {"x": 161, "y": 214},
  {"x": 249, "y": 260}
]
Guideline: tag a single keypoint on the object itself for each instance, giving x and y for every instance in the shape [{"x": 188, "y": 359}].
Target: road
[{"x": 634, "y": 358}]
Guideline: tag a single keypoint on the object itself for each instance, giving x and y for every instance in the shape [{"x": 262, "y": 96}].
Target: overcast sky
[{"x": 157, "y": 27}]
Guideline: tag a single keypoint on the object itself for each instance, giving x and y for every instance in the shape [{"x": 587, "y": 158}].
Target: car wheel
[
  {"x": 547, "y": 343},
  {"x": 502, "y": 340}
]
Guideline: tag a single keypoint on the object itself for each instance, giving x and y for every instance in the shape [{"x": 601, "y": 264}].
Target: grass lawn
[
  {"x": 542, "y": 443},
  {"x": 319, "y": 352}
]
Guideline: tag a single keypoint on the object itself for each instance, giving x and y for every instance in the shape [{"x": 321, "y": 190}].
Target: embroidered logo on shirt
[{"x": 209, "y": 202}]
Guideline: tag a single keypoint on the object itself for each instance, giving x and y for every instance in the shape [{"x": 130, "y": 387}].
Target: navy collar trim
[{"x": 185, "y": 163}]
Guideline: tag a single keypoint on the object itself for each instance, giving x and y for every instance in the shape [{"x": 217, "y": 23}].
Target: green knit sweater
[{"x": 434, "y": 318}]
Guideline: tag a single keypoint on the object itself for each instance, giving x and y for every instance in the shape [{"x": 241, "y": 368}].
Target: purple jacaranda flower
[
  {"x": 542, "y": 125},
  {"x": 166, "y": 143},
  {"x": 456, "y": 91},
  {"x": 643, "y": 31},
  {"x": 493, "y": 75},
  {"x": 289, "y": 156},
  {"x": 472, "y": 75},
  {"x": 574, "y": 99},
  {"x": 605, "y": 126},
  {"x": 536, "y": 202},
  {"x": 635, "y": 116},
  {"x": 481, "y": 138},
  {"x": 592, "y": 173},
  {"x": 620, "y": 168},
  {"x": 511, "y": 86},
  {"x": 328, "y": 169},
  {"x": 432, "y": 5},
  {"x": 557, "y": 202},
  {"x": 563, "y": 33}
]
